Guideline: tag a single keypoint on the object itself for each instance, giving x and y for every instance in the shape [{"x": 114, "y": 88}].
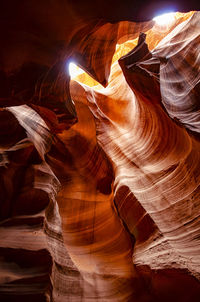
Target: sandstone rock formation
[{"x": 100, "y": 175}]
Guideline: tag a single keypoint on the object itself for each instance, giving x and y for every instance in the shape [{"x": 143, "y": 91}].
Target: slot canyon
[{"x": 99, "y": 151}]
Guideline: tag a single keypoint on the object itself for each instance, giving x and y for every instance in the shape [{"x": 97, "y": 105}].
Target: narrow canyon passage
[{"x": 99, "y": 172}]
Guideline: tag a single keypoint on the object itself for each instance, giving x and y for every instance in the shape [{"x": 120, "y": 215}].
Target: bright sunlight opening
[
  {"x": 74, "y": 70},
  {"x": 165, "y": 19}
]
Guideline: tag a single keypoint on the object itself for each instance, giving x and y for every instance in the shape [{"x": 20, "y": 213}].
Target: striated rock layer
[{"x": 99, "y": 194}]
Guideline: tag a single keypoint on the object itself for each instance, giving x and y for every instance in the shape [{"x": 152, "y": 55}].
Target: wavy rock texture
[{"x": 99, "y": 196}]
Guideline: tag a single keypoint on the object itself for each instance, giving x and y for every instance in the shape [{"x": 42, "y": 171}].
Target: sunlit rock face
[{"x": 99, "y": 185}]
